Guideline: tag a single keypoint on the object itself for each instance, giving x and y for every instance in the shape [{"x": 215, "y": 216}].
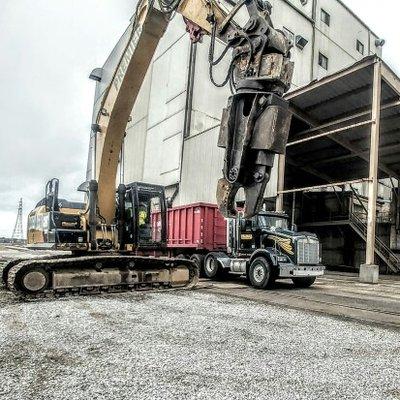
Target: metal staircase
[{"x": 391, "y": 259}]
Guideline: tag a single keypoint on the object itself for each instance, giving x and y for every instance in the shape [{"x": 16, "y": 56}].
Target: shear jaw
[
  {"x": 226, "y": 193},
  {"x": 254, "y": 195}
]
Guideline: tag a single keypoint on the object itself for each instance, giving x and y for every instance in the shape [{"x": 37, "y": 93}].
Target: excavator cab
[{"x": 142, "y": 213}]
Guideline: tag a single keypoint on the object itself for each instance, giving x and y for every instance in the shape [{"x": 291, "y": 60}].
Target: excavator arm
[{"x": 256, "y": 121}]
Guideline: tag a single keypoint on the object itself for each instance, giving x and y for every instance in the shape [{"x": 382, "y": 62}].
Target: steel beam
[
  {"x": 390, "y": 78},
  {"x": 328, "y": 185},
  {"x": 365, "y": 111},
  {"x": 339, "y": 130},
  {"x": 281, "y": 182},
  {"x": 339, "y": 97},
  {"x": 349, "y": 146},
  {"x": 369, "y": 273},
  {"x": 331, "y": 78}
]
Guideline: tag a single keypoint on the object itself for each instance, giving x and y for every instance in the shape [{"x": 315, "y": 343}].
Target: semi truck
[{"x": 262, "y": 248}]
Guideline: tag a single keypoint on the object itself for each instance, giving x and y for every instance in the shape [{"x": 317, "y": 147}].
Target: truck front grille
[{"x": 308, "y": 251}]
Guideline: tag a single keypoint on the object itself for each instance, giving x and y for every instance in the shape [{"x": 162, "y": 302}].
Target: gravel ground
[{"x": 189, "y": 345}]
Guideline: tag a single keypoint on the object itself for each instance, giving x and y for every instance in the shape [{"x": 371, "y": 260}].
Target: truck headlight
[{"x": 281, "y": 258}]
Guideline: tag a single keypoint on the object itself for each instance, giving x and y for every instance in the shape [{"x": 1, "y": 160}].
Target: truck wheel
[
  {"x": 212, "y": 269},
  {"x": 261, "y": 274},
  {"x": 304, "y": 282},
  {"x": 198, "y": 259}
]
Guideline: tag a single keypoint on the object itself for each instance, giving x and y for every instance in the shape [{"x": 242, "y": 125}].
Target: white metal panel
[
  {"x": 272, "y": 186},
  {"x": 134, "y": 150},
  {"x": 373, "y": 49},
  {"x": 208, "y": 100},
  {"x": 303, "y": 8},
  {"x": 338, "y": 58},
  {"x": 285, "y": 16},
  {"x": 201, "y": 168},
  {"x": 168, "y": 84},
  {"x": 141, "y": 107},
  {"x": 165, "y": 119},
  {"x": 176, "y": 29},
  {"x": 163, "y": 151},
  {"x": 345, "y": 28}
]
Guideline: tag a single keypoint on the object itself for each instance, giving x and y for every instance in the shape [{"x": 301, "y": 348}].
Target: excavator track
[
  {"x": 9, "y": 264},
  {"x": 73, "y": 276}
]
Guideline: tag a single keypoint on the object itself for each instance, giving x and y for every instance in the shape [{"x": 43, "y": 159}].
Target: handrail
[
  {"x": 389, "y": 256},
  {"x": 364, "y": 227}
]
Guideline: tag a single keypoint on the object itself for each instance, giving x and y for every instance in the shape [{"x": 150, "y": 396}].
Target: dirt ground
[{"x": 221, "y": 341}]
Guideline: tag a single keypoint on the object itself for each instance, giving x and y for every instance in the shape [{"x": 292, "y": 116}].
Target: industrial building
[{"x": 171, "y": 137}]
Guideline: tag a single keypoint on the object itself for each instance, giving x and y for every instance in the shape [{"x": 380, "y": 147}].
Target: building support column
[
  {"x": 281, "y": 182},
  {"x": 293, "y": 224},
  {"x": 369, "y": 272}
]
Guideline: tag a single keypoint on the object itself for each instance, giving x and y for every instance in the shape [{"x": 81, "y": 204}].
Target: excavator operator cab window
[
  {"x": 129, "y": 216},
  {"x": 148, "y": 210},
  {"x": 145, "y": 216}
]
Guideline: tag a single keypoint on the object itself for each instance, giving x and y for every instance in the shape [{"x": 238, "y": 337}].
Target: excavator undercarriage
[{"x": 95, "y": 274}]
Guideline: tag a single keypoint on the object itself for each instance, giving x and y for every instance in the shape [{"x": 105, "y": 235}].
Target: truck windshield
[{"x": 269, "y": 221}]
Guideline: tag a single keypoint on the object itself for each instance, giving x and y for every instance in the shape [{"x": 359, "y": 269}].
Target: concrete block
[{"x": 369, "y": 273}]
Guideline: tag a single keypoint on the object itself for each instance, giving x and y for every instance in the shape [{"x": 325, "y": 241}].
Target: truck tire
[
  {"x": 261, "y": 274},
  {"x": 304, "y": 282},
  {"x": 198, "y": 259},
  {"x": 212, "y": 268}
]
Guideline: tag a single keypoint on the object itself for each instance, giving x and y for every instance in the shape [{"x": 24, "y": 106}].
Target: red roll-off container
[{"x": 198, "y": 226}]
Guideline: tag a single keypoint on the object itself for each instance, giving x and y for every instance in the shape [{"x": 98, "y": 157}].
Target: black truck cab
[{"x": 265, "y": 249}]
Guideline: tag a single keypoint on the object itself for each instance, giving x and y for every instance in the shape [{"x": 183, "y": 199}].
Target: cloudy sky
[{"x": 48, "y": 48}]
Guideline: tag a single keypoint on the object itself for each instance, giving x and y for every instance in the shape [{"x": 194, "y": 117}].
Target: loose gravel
[{"x": 189, "y": 345}]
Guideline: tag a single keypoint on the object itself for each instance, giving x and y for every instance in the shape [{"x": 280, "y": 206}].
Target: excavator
[{"x": 109, "y": 238}]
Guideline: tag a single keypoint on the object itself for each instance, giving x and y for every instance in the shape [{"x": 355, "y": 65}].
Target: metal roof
[{"x": 341, "y": 103}]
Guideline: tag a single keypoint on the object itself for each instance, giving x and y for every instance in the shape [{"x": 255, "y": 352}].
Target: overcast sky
[{"x": 48, "y": 48}]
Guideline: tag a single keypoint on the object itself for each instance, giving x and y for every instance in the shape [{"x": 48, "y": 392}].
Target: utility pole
[{"x": 18, "y": 234}]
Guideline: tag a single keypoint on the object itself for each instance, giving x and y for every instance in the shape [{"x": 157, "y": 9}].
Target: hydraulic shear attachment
[
  {"x": 254, "y": 127},
  {"x": 255, "y": 124}
]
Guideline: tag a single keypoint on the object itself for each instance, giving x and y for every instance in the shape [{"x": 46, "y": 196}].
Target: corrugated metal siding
[
  {"x": 208, "y": 100},
  {"x": 167, "y": 111},
  {"x": 136, "y": 133},
  {"x": 201, "y": 168},
  {"x": 134, "y": 146},
  {"x": 163, "y": 150}
]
